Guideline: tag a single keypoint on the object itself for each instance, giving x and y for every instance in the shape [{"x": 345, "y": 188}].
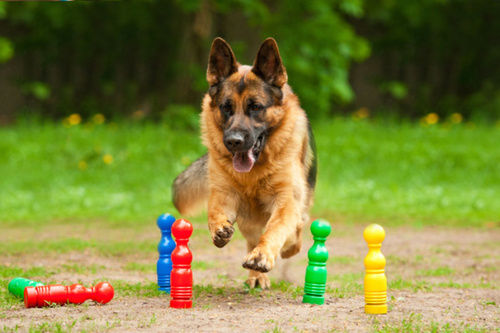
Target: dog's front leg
[
  {"x": 221, "y": 216},
  {"x": 283, "y": 224}
]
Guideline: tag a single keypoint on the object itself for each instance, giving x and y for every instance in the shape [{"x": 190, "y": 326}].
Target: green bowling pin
[
  {"x": 315, "y": 285},
  {"x": 17, "y": 285}
]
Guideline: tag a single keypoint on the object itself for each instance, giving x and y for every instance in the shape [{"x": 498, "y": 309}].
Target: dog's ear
[
  {"x": 268, "y": 65},
  {"x": 221, "y": 62}
]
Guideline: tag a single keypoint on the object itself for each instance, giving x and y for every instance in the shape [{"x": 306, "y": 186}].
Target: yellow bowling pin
[{"x": 375, "y": 280}]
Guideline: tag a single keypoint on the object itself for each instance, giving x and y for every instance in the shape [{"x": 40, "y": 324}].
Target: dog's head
[{"x": 245, "y": 101}]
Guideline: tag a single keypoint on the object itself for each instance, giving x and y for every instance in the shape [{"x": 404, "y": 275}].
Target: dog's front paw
[
  {"x": 260, "y": 260},
  {"x": 222, "y": 234}
]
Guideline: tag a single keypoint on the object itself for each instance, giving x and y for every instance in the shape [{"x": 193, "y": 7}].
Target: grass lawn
[{"x": 396, "y": 173}]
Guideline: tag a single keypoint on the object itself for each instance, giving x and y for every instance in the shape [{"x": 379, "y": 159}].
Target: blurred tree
[
  {"x": 113, "y": 58},
  {"x": 6, "y": 47},
  {"x": 445, "y": 52},
  {"x": 150, "y": 56},
  {"x": 98, "y": 57}
]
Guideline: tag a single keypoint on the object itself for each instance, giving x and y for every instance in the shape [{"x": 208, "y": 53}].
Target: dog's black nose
[{"x": 234, "y": 141}]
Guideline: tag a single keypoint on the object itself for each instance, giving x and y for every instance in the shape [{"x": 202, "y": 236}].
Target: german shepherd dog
[{"x": 260, "y": 169}]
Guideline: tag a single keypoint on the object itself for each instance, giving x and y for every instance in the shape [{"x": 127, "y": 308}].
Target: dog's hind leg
[{"x": 256, "y": 278}]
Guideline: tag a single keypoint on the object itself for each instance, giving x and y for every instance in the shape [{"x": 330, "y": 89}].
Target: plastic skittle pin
[
  {"x": 17, "y": 285},
  {"x": 58, "y": 294},
  {"x": 315, "y": 284},
  {"x": 165, "y": 248},
  {"x": 375, "y": 279},
  {"x": 181, "y": 278}
]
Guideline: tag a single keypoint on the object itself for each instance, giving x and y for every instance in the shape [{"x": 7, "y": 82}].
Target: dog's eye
[
  {"x": 256, "y": 107},
  {"x": 226, "y": 109}
]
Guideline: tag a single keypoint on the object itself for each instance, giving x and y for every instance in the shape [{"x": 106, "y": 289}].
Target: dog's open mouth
[{"x": 244, "y": 161}]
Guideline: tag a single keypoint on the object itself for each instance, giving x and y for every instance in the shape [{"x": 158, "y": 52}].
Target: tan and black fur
[{"x": 260, "y": 169}]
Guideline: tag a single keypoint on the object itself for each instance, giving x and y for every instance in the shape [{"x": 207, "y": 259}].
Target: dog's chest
[{"x": 258, "y": 199}]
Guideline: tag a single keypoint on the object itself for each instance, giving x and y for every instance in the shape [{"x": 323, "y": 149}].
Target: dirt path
[{"x": 441, "y": 278}]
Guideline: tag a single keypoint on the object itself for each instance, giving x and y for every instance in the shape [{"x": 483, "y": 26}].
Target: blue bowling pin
[{"x": 165, "y": 248}]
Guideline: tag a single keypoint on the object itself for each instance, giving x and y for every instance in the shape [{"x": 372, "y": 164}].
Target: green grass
[
  {"x": 146, "y": 289},
  {"x": 368, "y": 170},
  {"x": 415, "y": 323},
  {"x": 342, "y": 260},
  {"x": 403, "y": 171},
  {"x": 42, "y": 180},
  {"x": 65, "y": 245},
  {"x": 69, "y": 326},
  {"x": 440, "y": 271},
  {"x": 58, "y": 326},
  {"x": 414, "y": 285},
  {"x": 83, "y": 269},
  {"x": 140, "y": 267},
  {"x": 14, "y": 271},
  {"x": 288, "y": 288},
  {"x": 151, "y": 267},
  {"x": 209, "y": 289}
]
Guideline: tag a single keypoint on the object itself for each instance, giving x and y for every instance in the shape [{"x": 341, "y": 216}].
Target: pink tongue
[{"x": 243, "y": 162}]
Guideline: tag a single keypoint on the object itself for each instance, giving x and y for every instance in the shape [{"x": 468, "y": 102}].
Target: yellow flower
[
  {"x": 74, "y": 119},
  {"x": 82, "y": 165},
  {"x": 108, "y": 159},
  {"x": 431, "y": 118},
  {"x": 139, "y": 114},
  {"x": 456, "y": 118},
  {"x": 361, "y": 113},
  {"x": 98, "y": 119}
]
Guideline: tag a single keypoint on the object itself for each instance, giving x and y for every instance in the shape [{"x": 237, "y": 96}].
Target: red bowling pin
[
  {"x": 58, "y": 294},
  {"x": 181, "y": 278}
]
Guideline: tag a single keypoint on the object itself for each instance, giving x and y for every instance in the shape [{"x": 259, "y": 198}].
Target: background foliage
[
  {"x": 442, "y": 51},
  {"x": 116, "y": 58}
]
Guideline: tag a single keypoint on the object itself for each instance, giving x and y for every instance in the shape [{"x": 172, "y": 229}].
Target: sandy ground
[{"x": 465, "y": 261}]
